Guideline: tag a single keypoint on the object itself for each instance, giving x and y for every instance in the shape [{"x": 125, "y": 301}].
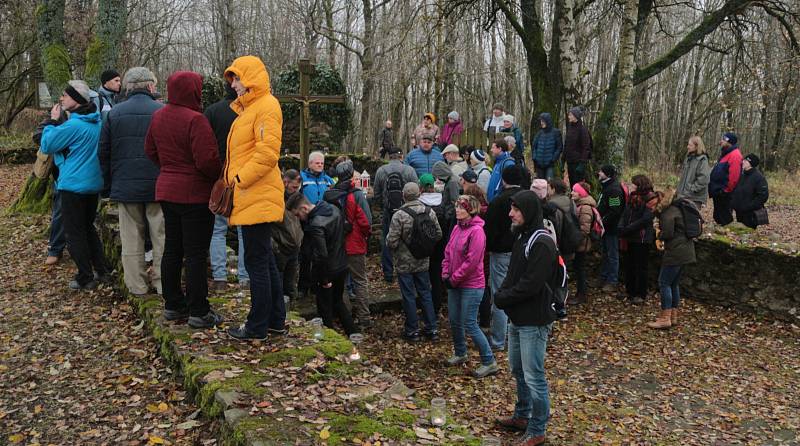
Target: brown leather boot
[
  {"x": 662, "y": 321},
  {"x": 674, "y": 317}
]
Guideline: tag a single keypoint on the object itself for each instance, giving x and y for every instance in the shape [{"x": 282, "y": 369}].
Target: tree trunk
[
  {"x": 54, "y": 55},
  {"x": 618, "y": 125},
  {"x": 35, "y": 198},
  {"x": 103, "y": 52},
  {"x": 364, "y": 136},
  {"x": 568, "y": 55}
]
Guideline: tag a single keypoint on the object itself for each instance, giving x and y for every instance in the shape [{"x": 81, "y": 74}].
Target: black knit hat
[
  {"x": 107, "y": 76},
  {"x": 470, "y": 176},
  {"x": 753, "y": 159},
  {"x": 609, "y": 170}
]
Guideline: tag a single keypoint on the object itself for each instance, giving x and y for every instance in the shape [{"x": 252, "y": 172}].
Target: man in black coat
[
  {"x": 611, "y": 206},
  {"x": 499, "y": 241},
  {"x": 221, "y": 117},
  {"x": 751, "y": 192},
  {"x": 323, "y": 227},
  {"x": 525, "y": 297},
  {"x": 130, "y": 178}
]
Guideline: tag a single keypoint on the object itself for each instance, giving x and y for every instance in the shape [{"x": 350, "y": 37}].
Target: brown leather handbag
[{"x": 221, "y": 200}]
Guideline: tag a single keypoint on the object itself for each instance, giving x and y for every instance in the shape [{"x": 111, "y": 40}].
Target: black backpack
[
  {"x": 570, "y": 236},
  {"x": 692, "y": 220},
  {"x": 558, "y": 290},
  {"x": 423, "y": 233},
  {"x": 394, "y": 192}
]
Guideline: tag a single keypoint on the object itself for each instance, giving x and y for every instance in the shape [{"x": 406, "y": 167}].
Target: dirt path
[{"x": 76, "y": 368}]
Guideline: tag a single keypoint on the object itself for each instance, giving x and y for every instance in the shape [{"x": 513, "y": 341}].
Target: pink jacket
[{"x": 463, "y": 255}]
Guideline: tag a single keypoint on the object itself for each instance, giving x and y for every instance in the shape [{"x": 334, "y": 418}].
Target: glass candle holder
[
  {"x": 438, "y": 412},
  {"x": 316, "y": 325},
  {"x": 356, "y": 339},
  {"x": 491, "y": 441},
  {"x": 233, "y": 264}
]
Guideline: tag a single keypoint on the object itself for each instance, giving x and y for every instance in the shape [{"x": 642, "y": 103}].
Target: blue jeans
[
  {"x": 669, "y": 279},
  {"x": 57, "y": 240},
  {"x": 526, "y": 351},
  {"x": 545, "y": 172},
  {"x": 218, "y": 251},
  {"x": 462, "y": 309},
  {"x": 386, "y": 253},
  {"x": 498, "y": 268},
  {"x": 410, "y": 285},
  {"x": 267, "y": 309},
  {"x": 609, "y": 266}
]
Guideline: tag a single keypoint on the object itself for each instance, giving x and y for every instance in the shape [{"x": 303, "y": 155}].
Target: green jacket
[{"x": 678, "y": 249}]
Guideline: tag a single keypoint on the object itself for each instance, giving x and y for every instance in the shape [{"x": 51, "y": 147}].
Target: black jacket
[
  {"x": 750, "y": 194},
  {"x": 611, "y": 205},
  {"x": 128, "y": 173},
  {"x": 221, "y": 117},
  {"x": 523, "y": 294},
  {"x": 636, "y": 224},
  {"x": 577, "y": 143},
  {"x": 497, "y": 228},
  {"x": 325, "y": 235}
]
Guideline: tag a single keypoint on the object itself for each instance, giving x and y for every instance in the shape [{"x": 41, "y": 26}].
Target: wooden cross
[{"x": 307, "y": 70}]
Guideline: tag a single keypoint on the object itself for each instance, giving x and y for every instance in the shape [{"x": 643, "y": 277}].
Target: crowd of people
[{"x": 489, "y": 243}]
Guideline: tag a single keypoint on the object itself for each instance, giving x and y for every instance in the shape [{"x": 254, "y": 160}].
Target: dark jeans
[
  {"x": 267, "y": 309},
  {"x": 57, "y": 240},
  {"x": 577, "y": 172},
  {"x": 288, "y": 267},
  {"x": 411, "y": 285},
  {"x": 78, "y": 212},
  {"x": 386, "y": 253},
  {"x": 329, "y": 302},
  {"x": 579, "y": 267},
  {"x": 722, "y": 209},
  {"x": 187, "y": 234},
  {"x": 669, "y": 279},
  {"x": 545, "y": 172},
  {"x": 636, "y": 259}
]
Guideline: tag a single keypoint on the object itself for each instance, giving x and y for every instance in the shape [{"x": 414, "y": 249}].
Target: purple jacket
[
  {"x": 451, "y": 134},
  {"x": 463, "y": 256}
]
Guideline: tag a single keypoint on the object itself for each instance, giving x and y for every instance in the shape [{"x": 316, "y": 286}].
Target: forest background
[{"x": 650, "y": 73}]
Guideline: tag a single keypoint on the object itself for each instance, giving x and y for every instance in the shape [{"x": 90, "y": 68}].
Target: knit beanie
[
  {"x": 753, "y": 159},
  {"x": 539, "y": 186},
  {"x": 78, "y": 91},
  {"x": 609, "y": 170},
  {"x": 478, "y": 155},
  {"x": 344, "y": 171},
  {"x": 509, "y": 118},
  {"x": 576, "y": 112},
  {"x": 580, "y": 190},
  {"x": 107, "y": 76},
  {"x": 731, "y": 138}
]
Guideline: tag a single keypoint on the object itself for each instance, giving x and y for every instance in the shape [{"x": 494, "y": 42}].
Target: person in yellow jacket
[{"x": 254, "y": 145}]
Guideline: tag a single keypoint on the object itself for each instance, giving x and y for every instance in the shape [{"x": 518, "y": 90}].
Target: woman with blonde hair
[
  {"x": 695, "y": 174},
  {"x": 678, "y": 252}
]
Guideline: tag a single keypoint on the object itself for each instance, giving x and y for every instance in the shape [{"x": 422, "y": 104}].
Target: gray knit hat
[
  {"x": 79, "y": 91},
  {"x": 453, "y": 115},
  {"x": 138, "y": 75}
]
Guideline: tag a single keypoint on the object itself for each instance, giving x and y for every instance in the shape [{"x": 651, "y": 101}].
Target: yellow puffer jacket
[{"x": 254, "y": 146}]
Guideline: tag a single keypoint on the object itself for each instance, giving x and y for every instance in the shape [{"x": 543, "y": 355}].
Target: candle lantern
[
  {"x": 316, "y": 325},
  {"x": 356, "y": 339},
  {"x": 438, "y": 412}
]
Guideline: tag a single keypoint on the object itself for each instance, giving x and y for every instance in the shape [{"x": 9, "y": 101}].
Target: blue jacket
[
  {"x": 314, "y": 185},
  {"x": 423, "y": 162},
  {"x": 495, "y": 181},
  {"x": 73, "y": 145},
  {"x": 547, "y": 144},
  {"x": 127, "y": 171}
]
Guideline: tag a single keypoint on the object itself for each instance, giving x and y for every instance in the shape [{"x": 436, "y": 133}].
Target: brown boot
[
  {"x": 674, "y": 317},
  {"x": 662, "y": 321}
]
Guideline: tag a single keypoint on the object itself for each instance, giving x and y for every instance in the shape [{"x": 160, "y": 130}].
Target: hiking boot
[
  {"x": 577, "y": 299},
  {"x": 412, "y": 337},
  {"x": 609, "y": 288},
  {"x": 513, "y": 423},
  {"x": 530, "y": 440},
  {"x": 210, "y": 320},
  {"x": 637, "y": 300},
  {"x": 219, "y": 286},
  {"x": 51, "y": 260},
  {"x": 277, "y": 332},
  {"x": 176, "y": 315},
  {"x": 432, "y": 336},
  {"x": 241, "y": 333},
  {"x": 456, "y": 360},
  {"x": 90, "y": 285},
  {"x": 486, "y": 369},
  {"x": 498, "y": 348},
  {"x": 663, "y": 320}
]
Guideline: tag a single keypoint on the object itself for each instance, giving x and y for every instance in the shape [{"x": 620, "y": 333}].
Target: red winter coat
[
  {"x": 180, "y": 141},
  {"x": 355, "y": 242}
]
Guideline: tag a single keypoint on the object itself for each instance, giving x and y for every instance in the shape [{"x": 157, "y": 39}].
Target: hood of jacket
[
  {"x": 548, "y": 120},
  {"x": 185, "y": 88},
  {"x": 530, "y": 206},
  {"x": 730, "y": 149},
  {"x": 321, "y": 209},
  {"x": 90, "y": 117},
  {"x": 431, "y": 198},
  {"x": 471, "y": 222},
  {"x": 338, "y": 191},
  {"x": 563, "y": 202},
  {"x": 441, "y": 171},
  {"x": 587, "y": 200},
  {"x": 253, "y": 75}
]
